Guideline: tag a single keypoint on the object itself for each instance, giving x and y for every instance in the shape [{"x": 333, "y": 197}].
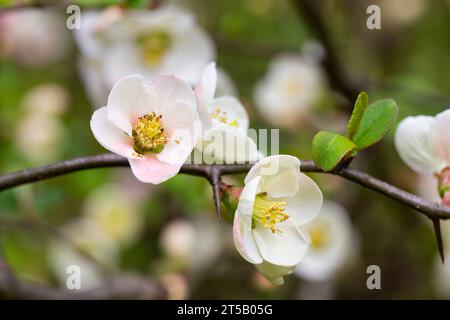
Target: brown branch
[{"x": 213, "y": 172}]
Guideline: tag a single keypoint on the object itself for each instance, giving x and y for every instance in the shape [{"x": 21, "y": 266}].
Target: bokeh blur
[{"x": 271, "y": 56}]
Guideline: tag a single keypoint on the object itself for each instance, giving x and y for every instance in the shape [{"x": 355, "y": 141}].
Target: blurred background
[{"x": 313, "y": 56}]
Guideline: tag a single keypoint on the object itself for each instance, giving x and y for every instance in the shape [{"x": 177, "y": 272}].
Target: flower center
[
  {"x": 319, "y": 235},
  {"x": 222, "y": 116},
  {"x": 148, "y": 134},
  {"x": 291, "y": 87},
  {"x": 154, "y": 46},
  {"x": 268, "y": 213},
  {"x": 113, "y": 222}
]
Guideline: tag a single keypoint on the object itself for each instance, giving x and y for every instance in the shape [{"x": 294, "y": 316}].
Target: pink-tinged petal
[
  {"x": 306, "y": 204},
  {"x": 284, "y": 249},
  {"x": 171, "y": 89},
  {"x": 150, "y": 169},
  {"x": 247, "y": 201},
  {"x": 439, "y": 135},
  {"x": 110, "y": 136},
  {"x": 281, "y": 175},
  {"x": 130, "y": 99},
  {"x": 244, "y": 241},
  {"x": 206, "y": 87},
  {"x": 412, "y": 144}
]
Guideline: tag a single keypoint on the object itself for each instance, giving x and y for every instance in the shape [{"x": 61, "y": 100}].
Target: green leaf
[
  {"x": 358, "y": 111},
  {"x": 375, "y": 123},
  {"x": 330, "y": 148}
]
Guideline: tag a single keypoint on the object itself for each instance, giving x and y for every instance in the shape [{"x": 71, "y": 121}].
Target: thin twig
[{"x": 337, "y": 75}]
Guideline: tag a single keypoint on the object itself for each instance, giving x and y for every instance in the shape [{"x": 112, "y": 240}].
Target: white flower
[
  {"x": 276, "y": 200},
  {"x": 153, "y": 125},
  {"x": 291, "y": 88},
  {"x": 402, "y": 12},
  {"x": 33, "y": 37},
  {"x": 195, "y": 243},
  {"x": 39, "y": 137},
  {"x": 114, "y": 212},
  {"x": 423, "y": 142},
  {"x": 332, "y": 244},
  {"x": 166, "y": 40},
  {"x": 50, "y": 98},
  {"x": 225, "y": 123},
  {"x": 81, "y": 235}
]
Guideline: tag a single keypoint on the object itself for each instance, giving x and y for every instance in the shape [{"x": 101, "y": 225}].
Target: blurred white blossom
[
  {"x": 291, "y": 88},
  {"x": 48, "y": 98},
  {"x": 332, "y": 244},
  {"x": 195, "y": 244},
  {"x": 116, "y": 43},
  {"x": 82, "y": 235},
  {"x": 402, "y": 12},
  {"x": 33, "y": 37},
  {"x": 39, "y": 137},
  {"x": 115, "y": 213},
  {"x": 40, "y": 132}
]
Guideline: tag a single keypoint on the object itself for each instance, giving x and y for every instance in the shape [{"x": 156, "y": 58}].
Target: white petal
[
  {"x": 151, "y": 170},
  {"x": 411, "y": 141},
  {"x": 229, "y": 146},
  {"x": 168, "y": 17},
  {"x": 247, "y": 200},
  {"x": 233, "y": 109},
  {"x": 244, "y": 241},
  {"x": 306, "y": 204},
  {"x": 94, "y": 84},
  {"x": 193, "y": 45},
  {"x": 122, "y": 59},
  {"x": 439, "y": 136},
  {"x": 281, "y": 174},
  {"x": 86, "y": 38},
  {"x": 205, "y": 88},
  {"x": 109, "y": 135},
  {"x": 179, "y": 123},
  {"x": 171, "y": 89},
  {"x": 130, "y": 99},
  {"x": 274, "y": 273},
  {"x": 286, "y": 248}
]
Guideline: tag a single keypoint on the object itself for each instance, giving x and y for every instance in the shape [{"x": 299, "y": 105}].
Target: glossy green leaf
[
  {"x": 358, "y": 111},
  {"x": 375, "y": 123},
  {"x": 330, "y": 148}
]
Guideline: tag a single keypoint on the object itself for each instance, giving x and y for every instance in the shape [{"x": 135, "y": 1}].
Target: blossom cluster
[{"x": 166, "y": 105}]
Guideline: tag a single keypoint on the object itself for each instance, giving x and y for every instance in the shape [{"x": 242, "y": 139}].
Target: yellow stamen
[
  {"x": 222, "y": 116},
  {"x": 148, "y": 134},
  {"x": 154, "y": 46},
  {"x": 268, "y": 213}
]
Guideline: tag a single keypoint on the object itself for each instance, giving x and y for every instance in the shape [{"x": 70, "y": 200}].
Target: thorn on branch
[
  {"x": 438, "y": 234},
  {"x": 214, "y": 178}
]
